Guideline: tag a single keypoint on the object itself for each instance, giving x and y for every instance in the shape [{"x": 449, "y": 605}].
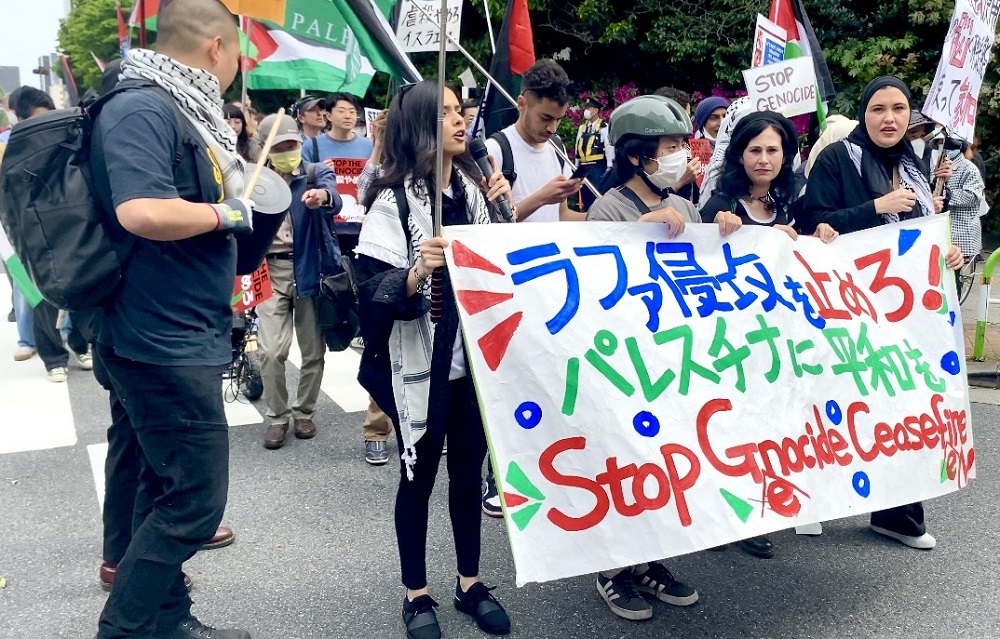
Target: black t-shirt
[
  {"x": 173, "y": 304},
  {"x": 719, "y": 203}
]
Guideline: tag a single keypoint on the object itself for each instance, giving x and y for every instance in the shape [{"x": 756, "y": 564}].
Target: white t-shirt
[{"x": 534, "y": 168}]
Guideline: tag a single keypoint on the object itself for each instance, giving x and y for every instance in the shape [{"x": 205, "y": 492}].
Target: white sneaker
[
  {"x": 24, "y": 353},
  {"x": 924, "y": 542},
  {"x": 358, "y": 343},
  {"x": 57, "y": 375},
  {"x": 85, "y": 361}
]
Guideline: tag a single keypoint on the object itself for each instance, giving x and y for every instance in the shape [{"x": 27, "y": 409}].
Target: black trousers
[
  {"x": 466, "y": 451},
  {"x": 175, "y": 415},
  {"x": 48, "y": 339},
  {"x": 907, "y": 520}
]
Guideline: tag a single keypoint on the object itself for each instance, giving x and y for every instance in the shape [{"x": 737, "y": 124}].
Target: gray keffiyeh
[{"x": 199, "y": 97}]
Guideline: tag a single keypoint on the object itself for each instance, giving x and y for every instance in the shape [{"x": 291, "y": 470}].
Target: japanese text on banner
[{"x": 686, "y": 393}]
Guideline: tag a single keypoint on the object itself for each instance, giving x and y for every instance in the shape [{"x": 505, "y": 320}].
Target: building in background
[{"x": 10, "y": 79}]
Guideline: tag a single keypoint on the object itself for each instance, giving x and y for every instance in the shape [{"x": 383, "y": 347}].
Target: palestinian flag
[
  {"x": 15, "y": 268},
  {"x": 124, "y": 42},
  {"x": 791, "y": 16},
  {"x": 277, "y": 59},
  {"x": 515, "y": 54}
]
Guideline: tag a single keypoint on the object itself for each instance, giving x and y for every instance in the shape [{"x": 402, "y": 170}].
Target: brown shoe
[
  {"x": 222, "y": 538},
  {"x": 109, "y": 570},
  {"x": 305, "y": 428},
  {"x": 274, "y": 436}
]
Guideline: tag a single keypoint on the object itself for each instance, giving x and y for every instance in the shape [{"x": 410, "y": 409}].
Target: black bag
[
  {"x": 49, "y": 210},
  {"x": 337, "y": 301}
]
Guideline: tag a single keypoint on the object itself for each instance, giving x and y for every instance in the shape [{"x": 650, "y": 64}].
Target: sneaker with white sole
[
  {"x": 623, "y": 597},
  {"x": 85, "y": 361},
  {"x": 491, "y": 499},
  {"x": 660, "y": 583},
  {"x": 24, "y": 353},
  {"x": 376, "y": 453},
  {"x": 925, "y": 541},
  {"x": 57, "y": 375},
  {"x": 358, "y": 343}
]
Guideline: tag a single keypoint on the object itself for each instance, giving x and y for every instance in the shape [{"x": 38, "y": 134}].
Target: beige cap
[{"x": 287, "y": 130}]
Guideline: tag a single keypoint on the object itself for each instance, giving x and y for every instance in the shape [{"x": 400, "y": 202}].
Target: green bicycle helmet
[{"x": 648, "y": 116}]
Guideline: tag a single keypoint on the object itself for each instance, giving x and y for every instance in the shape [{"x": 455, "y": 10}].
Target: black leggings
[{"x": 466, "y": 451}]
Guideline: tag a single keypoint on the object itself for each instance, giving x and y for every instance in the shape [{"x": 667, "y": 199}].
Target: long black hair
[
  {"x": 243, "y": 139},
  {"x": 734, "y": 183},
  {"x": 622, "y": 170},
  {"x": 410, "y": 144}
]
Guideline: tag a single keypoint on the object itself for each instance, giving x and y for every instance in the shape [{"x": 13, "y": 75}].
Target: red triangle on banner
[
  {"x": 465, "y": 257},
  {"x": 494, "y": 344},
  {"x": 513, "y": 501},
  {"x": 478, "y": 301}
]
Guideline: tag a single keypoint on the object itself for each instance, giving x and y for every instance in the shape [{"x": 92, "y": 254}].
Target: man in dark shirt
[{"x": 165, "y": 336}]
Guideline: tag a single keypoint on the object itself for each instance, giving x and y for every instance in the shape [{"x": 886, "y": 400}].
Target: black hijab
[{"x": 877, "y": 162}]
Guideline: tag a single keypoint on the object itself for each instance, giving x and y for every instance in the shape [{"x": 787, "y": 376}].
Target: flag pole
[
  {"x": 437, "y": 281},
  {"x": 244, "y": 64},
  {"x": 489, "y": 27},
  {"x": 142, "y": 24},
  {"x": 496, "y": 85}
]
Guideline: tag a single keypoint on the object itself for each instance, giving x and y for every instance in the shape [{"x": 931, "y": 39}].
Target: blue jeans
[{"x": 25, "y": 319}]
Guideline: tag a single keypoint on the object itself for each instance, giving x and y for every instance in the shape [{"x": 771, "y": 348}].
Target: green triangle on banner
[
  {"x": 519, "y": 481},
  {"x": 739, "y": 506},
  {"x": 523, "y": 516}
]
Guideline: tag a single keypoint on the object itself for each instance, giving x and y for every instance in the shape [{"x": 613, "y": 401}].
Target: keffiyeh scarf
[
  {"x": 411, "y": 343},
  {"x": 199, "y": 97}
]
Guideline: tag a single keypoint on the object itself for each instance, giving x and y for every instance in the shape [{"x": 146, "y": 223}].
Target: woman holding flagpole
[{"x": 415, "y": 369}]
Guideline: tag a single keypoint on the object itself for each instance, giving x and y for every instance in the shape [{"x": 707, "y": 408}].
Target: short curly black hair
[
  {"x": 682, "y": 98},
  {"x": 546, "y": 79}
]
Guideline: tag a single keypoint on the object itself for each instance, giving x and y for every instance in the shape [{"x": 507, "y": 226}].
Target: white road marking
[
  {"x": 98, "y": 453},
  {"x": 340, "y": 378}
]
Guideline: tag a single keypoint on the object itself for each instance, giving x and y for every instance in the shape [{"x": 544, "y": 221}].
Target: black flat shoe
[
  {"x": 420, "y": 619},
  {"x": 757, "y": 546}
]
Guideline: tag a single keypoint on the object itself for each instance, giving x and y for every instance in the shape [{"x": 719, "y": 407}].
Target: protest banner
[
  {"x": 788, "y": 87},
  {"x": 417, "y": 32},
  {"x": 768, "y": 43},
  {"x": 953, "y": 99},
  {"x": 648, "y": 397},
  {"x": 701, "y": 148},
  {"x": 348, "y": 171},
  {"x": 370, "y": 115},
  {"x": 250, "y": 290}
]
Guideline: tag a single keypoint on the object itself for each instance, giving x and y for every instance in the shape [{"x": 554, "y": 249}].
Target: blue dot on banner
[
  {"x": 833, "y": 412},
  {"x": 951, "y": 318},
  {"x": 646, "y": 424},
  {"x": 862, "y": 485},
  {"x": 951, "y": 364},
  {"x": 528, "y": 415}
]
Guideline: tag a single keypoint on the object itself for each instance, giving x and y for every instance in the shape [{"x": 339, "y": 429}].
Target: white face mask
[
  {"x": 588, "y": 113},
  {"x": 919, "y": 146},
  {"x": 671, "y": 168}
]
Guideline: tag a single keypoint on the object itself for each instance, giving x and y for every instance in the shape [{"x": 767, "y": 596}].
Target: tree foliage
[{"x": 91, "y": 27}]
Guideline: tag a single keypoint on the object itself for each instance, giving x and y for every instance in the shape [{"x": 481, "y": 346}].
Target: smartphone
[{"x": 581, "y": 172}]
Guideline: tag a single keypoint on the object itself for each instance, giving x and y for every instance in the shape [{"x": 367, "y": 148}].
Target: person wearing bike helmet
[{"x": 648, "y": 133}]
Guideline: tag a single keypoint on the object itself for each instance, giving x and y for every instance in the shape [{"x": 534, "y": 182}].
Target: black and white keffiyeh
[
  {"x": 199, "y": 97},
  {"x": 411, "y": 343}
]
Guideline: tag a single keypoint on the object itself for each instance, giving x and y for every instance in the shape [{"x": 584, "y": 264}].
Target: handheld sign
[
  {"x": 953, "y": 100},
  {"x": 787, "y": 87},
  {"x": 768, "y": 43}
]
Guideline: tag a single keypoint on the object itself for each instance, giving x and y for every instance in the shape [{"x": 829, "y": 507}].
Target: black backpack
[
  {"x": 49, "y": 209},
  {"x": 507, "y": 155}
]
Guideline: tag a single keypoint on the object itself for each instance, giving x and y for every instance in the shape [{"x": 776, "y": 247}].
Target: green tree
[{"x": 91, "y": 27}]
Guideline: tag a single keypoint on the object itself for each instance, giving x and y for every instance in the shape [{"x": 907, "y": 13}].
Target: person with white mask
[
  {"x": 592, "y": 147},
  {"x": 648, "y": 134}
]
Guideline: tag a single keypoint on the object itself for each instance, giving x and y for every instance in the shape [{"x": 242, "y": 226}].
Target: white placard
[
  {"x": 788, "y": 87},
  {"x": 953, "y": 100},
  {"x": 418, "y": 32},
  {"x": 768, "y": 43}
]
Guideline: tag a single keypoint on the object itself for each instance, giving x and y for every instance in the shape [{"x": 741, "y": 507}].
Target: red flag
[{"x": 522, "y": 44}]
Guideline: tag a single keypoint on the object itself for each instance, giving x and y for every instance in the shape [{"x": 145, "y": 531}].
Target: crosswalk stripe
[
  {"x": 97, "y": 454},
  {"x": 36, "y": 413},
  {"x": 340, "y": 378}
]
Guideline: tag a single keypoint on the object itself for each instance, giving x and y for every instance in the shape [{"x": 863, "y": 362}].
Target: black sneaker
[
  {"x": 658, "y": 582},
  {"x": 480, "y": 604},
  {"x": 622, "y": 596},
  {"x": 420, "y": 619},
  {"x": 491, "y": 499},
  {"x": 757, "y": 546},
  {"x": 191, "y": 628}
]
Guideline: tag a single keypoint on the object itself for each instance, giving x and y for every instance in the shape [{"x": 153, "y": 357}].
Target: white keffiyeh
[
  {"x": 199, "y": 97},
  {"x": 411, "y": 343}
]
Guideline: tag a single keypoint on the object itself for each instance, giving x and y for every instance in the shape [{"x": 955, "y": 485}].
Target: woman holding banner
[
  {"x": 874, "y": 178},
  {"x": 414, "y": 369}
]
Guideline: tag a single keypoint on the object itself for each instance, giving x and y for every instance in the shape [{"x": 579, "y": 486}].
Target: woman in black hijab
[{"x": 871, "y": 178}]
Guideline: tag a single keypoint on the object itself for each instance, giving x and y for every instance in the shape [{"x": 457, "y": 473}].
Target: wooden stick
[{"x": 263, "y": 155}]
